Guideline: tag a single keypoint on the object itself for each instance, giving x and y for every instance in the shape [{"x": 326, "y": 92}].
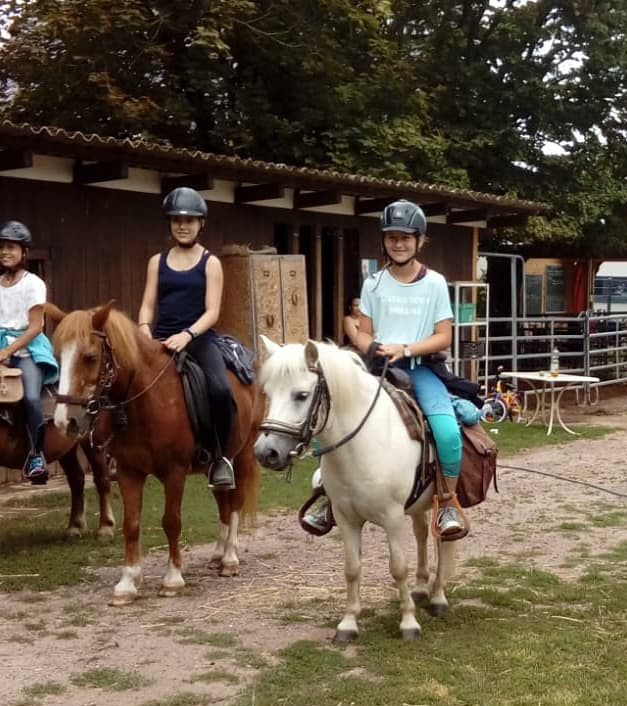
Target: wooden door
[
  {"x": 266, "y": 287},
  {"x": 294, "y": 295}
]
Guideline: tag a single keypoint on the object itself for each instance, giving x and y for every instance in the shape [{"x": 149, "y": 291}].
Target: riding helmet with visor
[
  {"x": 184, "y": 201},
  {"x": 16, "y": 232},
  {"x": 404, "y": 216}
]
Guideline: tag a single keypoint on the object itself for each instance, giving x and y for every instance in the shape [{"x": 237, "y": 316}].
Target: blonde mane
[{"x": 120, "y": 330}]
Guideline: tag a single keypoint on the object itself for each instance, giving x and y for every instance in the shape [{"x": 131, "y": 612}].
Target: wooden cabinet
[{"x": 264, "y": 293}]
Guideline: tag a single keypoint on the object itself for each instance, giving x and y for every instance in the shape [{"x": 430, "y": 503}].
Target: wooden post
[
  {"x": 294, "y": 244},
  {"x": 339, "y": 287},
  {"x": 317, "y": 232}
]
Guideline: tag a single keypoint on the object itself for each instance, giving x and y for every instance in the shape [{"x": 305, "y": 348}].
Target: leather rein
[
  {"x": 100, "y": 399},
  {"x": 305, "y": 431}
]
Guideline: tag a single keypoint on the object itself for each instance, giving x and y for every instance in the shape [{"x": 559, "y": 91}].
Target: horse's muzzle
[{"x": 272, "y": 451}]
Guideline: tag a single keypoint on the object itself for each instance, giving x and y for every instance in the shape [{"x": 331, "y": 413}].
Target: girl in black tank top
[{"x": 184, "y": 290}]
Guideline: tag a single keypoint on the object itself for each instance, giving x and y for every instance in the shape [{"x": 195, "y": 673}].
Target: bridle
[
  {"x": 304, "y": 432},
  {"x": 100, "y": 399}
]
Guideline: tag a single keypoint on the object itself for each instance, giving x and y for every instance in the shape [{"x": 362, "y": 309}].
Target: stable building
[{"x": 93, "y": 204}]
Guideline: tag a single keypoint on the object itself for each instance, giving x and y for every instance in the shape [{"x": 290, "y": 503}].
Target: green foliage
[{"x": 466, "y": 93}]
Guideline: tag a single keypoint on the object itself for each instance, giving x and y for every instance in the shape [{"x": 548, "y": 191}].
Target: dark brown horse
[
  {"x": 15, "y": 447},
  {"x": 107, "y": 363}
]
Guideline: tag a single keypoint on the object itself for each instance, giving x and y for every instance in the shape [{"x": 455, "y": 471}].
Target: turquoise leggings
[{"x": 435, "y": 402}]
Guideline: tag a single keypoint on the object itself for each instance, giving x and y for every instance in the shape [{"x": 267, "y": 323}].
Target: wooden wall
[{"x": 99, "y": 240}]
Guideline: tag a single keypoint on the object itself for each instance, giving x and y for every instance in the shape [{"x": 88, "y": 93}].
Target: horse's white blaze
[
  {"x": 65, "y": 379},
  {"x": 129, "y": 583}
]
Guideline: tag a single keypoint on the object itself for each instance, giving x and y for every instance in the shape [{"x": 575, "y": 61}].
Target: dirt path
[{"x": 212, "y": 640}]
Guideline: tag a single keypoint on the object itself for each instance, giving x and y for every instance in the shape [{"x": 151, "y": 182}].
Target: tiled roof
[{"x": 168, "y": 159}]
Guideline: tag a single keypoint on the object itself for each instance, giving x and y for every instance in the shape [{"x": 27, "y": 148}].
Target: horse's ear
[
  {"x": 270, "y": 346},
  {"x": 100, "y": 316},
  {"x": 311, "y": 354}
]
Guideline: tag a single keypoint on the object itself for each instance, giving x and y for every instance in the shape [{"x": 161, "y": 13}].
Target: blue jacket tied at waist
[{"x": 40, "y": 349}]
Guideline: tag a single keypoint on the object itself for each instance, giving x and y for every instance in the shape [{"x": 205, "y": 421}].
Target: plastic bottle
[{"x": 555, "y": 362}]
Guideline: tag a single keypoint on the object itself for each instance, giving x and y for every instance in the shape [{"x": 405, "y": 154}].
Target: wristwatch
[{"x": 406, "y": 352}]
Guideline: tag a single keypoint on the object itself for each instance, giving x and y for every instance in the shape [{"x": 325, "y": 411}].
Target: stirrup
[
  {"x": 451, "y": 536},
  {"x": 310, "y": 529},
  {"x": 228, "y": 480}
]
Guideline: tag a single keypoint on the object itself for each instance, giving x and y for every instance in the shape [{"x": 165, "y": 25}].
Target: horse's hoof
[
  {"x": 344, "y": 637},
  {"x": 105, "y": 534},
  {"x": 437, "y": 610},
  {"x": 122, "y": 599},
  {"x": 170, "y": 591},
  {"x": 215, "y": 563},
  {"x": 227, "y": 571},
  {"x": 420, "y": 598},
  {"x": 73, "y": 533},
  {"x": 410, "y": 634}
]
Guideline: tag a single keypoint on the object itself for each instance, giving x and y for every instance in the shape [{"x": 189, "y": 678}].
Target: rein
[{"x": 304, "y": 432}]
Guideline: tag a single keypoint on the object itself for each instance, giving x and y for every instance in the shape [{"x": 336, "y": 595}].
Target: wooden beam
[
  {"x": 508, "y": 221},
  {"x": 468, "y": 216},
  {"x": 339, "y": 288},
  {"x": 15, "y": 159},
  {"x": 259, "y": 192},
  {"x": 200, "y": 182},
  {"x": 435, "y": 209},
  {"x": 363, "y": 205},
  {"x": 317, "y": 233},
  {"x": 311, "y": 199},
  {"x": 93, "y": 172}
]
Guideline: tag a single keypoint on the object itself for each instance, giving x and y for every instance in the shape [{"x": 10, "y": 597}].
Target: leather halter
[
  {"x": 99, "y": 399},
  {"x": 304, "y": 432}
]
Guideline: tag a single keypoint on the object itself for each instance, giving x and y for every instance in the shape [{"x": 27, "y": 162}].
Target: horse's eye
[
  {"x": 301, "y": 396},
  {"x": 90, "y": 357}
]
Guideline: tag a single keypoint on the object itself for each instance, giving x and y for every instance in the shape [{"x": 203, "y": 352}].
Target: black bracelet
[{"x": 191, "y": 332}]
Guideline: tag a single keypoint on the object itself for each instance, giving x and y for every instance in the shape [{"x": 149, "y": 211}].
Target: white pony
[{"x": 322, "y": 390}]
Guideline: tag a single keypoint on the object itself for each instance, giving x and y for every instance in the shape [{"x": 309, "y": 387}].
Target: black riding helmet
[
  {"x": 404, "y": 216},
  {"x": 184, "y": 201},
  {"x": 16, "y": 232}
]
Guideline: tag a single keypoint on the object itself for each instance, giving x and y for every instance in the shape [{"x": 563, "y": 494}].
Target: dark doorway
[
  {"x": 329, "y": 265},
  {"x": 352, "y": 273}
]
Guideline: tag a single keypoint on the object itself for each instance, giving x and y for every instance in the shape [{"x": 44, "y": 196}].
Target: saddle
[
  {"x": 240, "y": 360},
  {"x": 11, "y": 386},
  {"x": 197, "y": 403}
]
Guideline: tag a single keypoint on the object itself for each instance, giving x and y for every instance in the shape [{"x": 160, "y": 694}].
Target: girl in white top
[{"x": 22, "y": 343}]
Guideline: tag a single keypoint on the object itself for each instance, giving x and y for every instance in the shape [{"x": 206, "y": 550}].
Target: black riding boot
[{"x": 221, "y": 474}]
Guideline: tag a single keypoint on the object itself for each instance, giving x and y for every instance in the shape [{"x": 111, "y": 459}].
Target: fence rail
[{"x": 589, "y": 344}]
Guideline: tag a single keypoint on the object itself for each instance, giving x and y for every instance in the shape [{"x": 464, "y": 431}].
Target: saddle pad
[{"x": 407, "y": 407}]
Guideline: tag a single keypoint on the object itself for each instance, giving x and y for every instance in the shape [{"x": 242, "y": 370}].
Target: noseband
[{"x": 304, "y": 432}]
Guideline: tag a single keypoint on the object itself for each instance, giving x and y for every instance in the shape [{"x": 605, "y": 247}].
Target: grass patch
[
  {"x": 49, "y": 688},
  {"x": 615, "y": 518},
  {"x": 543, "y": 642},
  {"x": 196, "y": 636},
  {"x": 513, "y": 438},
  {"x": 572, "y": 527},
  {"x": 66, "y": 635},
  {"x": 247, "y": 658},
  {"x": 35, "y": 555},
  {"x": 214, "y": 676},
  {"x": 184, "y": 698},
  {"x": 109, "y": 679}
]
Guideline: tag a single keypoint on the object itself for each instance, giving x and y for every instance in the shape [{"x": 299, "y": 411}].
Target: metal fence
[{"x": 589, "y": 344}]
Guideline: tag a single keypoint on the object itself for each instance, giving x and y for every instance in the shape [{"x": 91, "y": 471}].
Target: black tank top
[{"x": 181, "y": 296}]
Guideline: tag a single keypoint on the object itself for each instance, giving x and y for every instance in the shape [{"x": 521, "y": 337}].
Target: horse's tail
[{"x": 251, "y": 477}]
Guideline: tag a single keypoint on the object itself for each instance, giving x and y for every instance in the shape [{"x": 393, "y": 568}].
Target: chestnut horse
[
  {"x": 15, "y": 447},
  {"x": 106, "y": 363}
]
